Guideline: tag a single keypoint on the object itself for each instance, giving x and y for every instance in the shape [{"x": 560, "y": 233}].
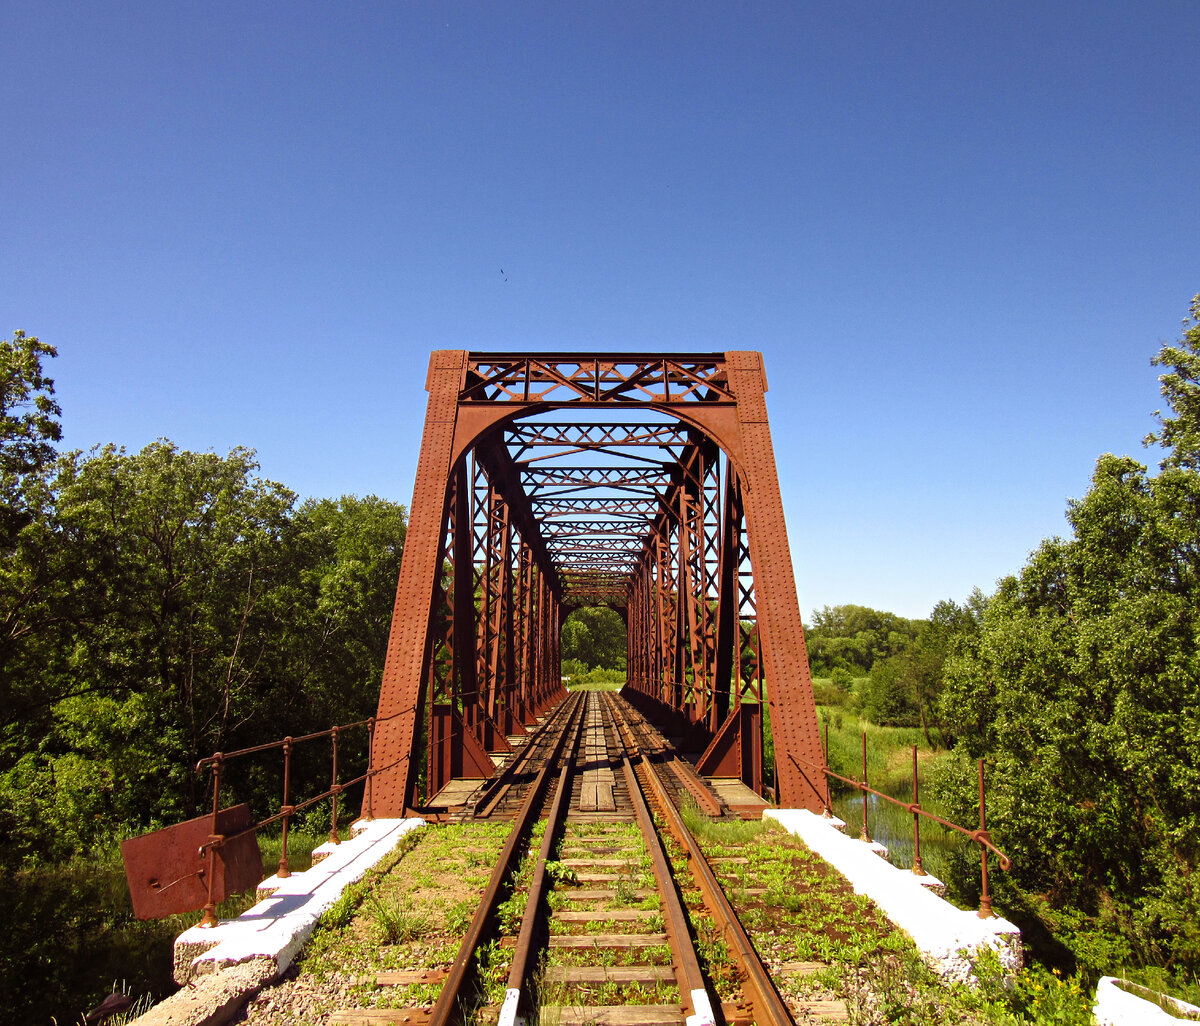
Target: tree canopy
[
  {"x": 159, "y": 606},
  {"x": 594, "y": 637},
  {"x": 855, "y": 637},
  {"x": 1082, "y": 689}
]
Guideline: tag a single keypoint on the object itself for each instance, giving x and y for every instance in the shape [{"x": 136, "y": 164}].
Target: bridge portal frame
[{"x": 473, "y": 653}]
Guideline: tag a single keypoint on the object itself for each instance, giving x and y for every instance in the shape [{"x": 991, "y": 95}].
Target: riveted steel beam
[{"x": 548, "y": 481}]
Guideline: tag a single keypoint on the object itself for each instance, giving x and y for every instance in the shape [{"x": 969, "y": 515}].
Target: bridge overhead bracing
[{"x": 547, "y": 481}]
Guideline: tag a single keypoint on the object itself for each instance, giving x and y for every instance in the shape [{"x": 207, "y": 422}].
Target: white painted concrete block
[
  {"x": 279, "y": 925},
  {"x": 1119, "y": 1003},
  {"x": 949, "y": 938}
]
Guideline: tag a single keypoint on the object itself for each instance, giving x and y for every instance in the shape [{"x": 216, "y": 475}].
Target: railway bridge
[
  {"x": 546, "y": 482},
  {"x": 549, "y": 481}
]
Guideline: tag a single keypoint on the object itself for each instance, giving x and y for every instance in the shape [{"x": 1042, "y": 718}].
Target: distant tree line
[
  {"x": 593, "y": 645},
  {"x": 156, "y": 607}
]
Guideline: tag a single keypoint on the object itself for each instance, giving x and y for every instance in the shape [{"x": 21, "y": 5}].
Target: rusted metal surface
[
  {"x": 168, "y": 870},
  {"x": 525, "y": 954},
  {"x": 198, "y": 864},
  {"x": 449, "y": 1006},
  {"x": 548, "y": 481},
  {"x": 692, "y": 987},
  {"x": 980, "y": 836},
  {"x": 768, "y": 1007}
]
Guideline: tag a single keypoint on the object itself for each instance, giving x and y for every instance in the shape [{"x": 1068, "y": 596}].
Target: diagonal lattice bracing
[{"x": 645, "y": 482}]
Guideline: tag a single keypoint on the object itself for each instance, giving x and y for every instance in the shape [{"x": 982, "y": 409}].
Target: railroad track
[{"x": 605, "y": 937}]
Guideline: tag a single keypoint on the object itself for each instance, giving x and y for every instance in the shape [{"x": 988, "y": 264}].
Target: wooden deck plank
[
  {"x": 610, "y": 974},
  {"x": 376, "y": 1016},
  {"x": 608, "y": 940},
  {"x": 613, "y": 1015}
]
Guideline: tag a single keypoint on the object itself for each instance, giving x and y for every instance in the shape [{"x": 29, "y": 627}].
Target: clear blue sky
[{"x": 958, "y": 232}]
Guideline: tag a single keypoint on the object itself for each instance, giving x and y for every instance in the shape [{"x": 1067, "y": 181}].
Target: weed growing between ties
[
  {"x": 798, "y": 909},
  {"x": 627, "y": 886},
  {"x": 410, "y": 913}
]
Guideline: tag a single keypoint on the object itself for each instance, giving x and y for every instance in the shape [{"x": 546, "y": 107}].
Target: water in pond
[{"x": 892, "y": 827}]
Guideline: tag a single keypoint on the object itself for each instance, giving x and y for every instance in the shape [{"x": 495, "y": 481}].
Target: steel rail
[
  {"x": 692, "y": 986},
  {"x": 495, "y": 789},
  {"x": 769, "y": 1008},
  {"x": 448, "y": 1009},
  {"x": 523, "y": 955},
  {"x": 688, "y": 778}
]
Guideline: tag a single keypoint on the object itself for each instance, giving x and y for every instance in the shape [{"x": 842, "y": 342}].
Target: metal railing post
[
  {"x": 828, "y": 813},
  {"x": 985, "y": 898},
  {"x": 210, "y": 907},
  {"x": 336, "y": 790},
  {"x": 866, "y": 834},
  {"x": 917, "y": 868},
  {"x": 980, "y": 836},
  {"x": 285, "y": 869},
  {"x": 370, "y": 765}
]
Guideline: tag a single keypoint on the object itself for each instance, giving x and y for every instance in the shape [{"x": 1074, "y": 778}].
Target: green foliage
[
  {"x": 561, "y": 874},
  {"x": 841, "y": 678},
  {"x": 155, "y": 607},
  {"x": 855, "y": 638},
  {"x": 904, "y": 688},
  {"x": 594, "y": 636},
  {"x": 1082, "y": 688},
  {"x": 185, "y": 607},
  {"x": 1181, "y": 389},
  {"x": 28, "y": 417},
  {"x": 397, "y": 918},
  {"x": 598, "y": 679}
]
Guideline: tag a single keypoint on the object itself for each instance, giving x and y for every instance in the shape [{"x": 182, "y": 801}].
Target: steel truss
[{"x": 551, "y": 481}]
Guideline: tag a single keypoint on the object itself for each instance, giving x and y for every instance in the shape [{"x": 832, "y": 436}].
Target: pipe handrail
[
  {"x": 217, "y": 761},
  {"x": 980, "y": 836}
]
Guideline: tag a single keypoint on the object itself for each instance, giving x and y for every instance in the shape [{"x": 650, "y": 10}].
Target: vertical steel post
[
  {"x": 866, "y": 834},
  {"x": 917, "y": 868},
  {"x": 368, "y": 815},
  {"x": 828, "y": 811},
  {"x": 336, "y": 789},
  {"x": 285, "y": 870},
  {"x": 210, "y": 907},
  {"x": 985, "y": 898}
]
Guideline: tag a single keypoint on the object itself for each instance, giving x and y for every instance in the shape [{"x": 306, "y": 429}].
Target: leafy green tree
[
  {"x": 856, "y": 637},
  {"x": 29, "y": 422},
  {"x": 1082, "y": 688},
  {"x": 344, "y": 558},
  {"x": 904, "y": 689},
  {"x": 595, "y": 636},
  {"x": 32, "y": 594},
  {"x": 1181, "y": 388},
  {"x": 1085, "y": 694},
  {"x": 171, "y": 561}
]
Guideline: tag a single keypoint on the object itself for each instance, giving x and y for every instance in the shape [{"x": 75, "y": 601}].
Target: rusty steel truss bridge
[{"x": 551, "y": 481}]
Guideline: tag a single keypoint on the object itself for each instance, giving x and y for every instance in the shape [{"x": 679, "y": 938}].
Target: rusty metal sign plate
[{"x": 167, "y": 873}]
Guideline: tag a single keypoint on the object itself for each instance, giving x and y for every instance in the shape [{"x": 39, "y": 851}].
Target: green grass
[
  {"x": 889, "y": 749},
  {"x": 809, "y": 913}
]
